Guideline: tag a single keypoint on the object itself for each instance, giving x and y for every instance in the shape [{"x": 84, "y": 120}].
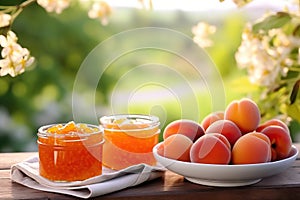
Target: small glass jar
[
  {"x": 71, "y": 155},
  {"x": 129, "y": 140}
]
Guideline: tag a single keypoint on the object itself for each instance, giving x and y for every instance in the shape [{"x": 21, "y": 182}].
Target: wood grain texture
[
  {"x": 171, "y": 186},
  {"x": 8, "y": 159}
]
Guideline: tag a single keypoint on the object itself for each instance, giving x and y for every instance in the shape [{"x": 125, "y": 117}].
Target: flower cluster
[
  {"x": 54, "y": 6},
  {"x": 15, "y": 58},
  {"x": 202, "y": 32},
  {"x": 270, "y": 52},
  {"x": 100, "y": 10},
  {"x": 269, "y": 55}
]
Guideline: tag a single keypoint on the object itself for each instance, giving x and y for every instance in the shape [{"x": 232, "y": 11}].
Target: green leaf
[
  {"x": 294, "y": 112},
  {"x": 294, "y": 93},
  {"x": 274, "y": 21}
]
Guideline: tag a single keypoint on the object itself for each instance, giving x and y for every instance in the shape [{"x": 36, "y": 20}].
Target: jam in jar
[
  {"x": 70, "y": 152},
  {"x": 129, "y": 140}
]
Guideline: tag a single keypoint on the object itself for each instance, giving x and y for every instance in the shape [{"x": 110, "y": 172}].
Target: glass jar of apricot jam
[
  {"x": 70, "y": 152},
  {"x": 129, "y": 140}
]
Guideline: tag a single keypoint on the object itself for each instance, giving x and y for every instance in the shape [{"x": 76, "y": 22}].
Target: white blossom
[
  {"x": 54, "y": 5},
  {"x": 100, "y": 10},
  {"x": 267, "y": 55},
  {"x": 15, "y": 58},
  {"x": 4, "y": 19},
  {"x": 202, "y": 31}
]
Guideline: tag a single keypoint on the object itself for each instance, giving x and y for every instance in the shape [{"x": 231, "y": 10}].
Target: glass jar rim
[
  {"x": 42, "y": 131},
  {"x": 152, "y": 120}
]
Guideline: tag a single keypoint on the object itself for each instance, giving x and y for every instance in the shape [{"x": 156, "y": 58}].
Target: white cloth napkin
[{"x": 27, "y": 174}]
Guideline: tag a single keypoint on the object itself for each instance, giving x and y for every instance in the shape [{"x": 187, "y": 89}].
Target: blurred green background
[{"x": 60, "y": 43}]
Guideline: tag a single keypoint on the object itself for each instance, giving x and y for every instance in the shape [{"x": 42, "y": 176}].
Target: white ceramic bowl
[{"x": 226, "y": 175}]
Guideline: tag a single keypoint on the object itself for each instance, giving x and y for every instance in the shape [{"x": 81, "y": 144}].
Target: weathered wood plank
[
  {"x": 8, "y": 159},
  {"x": 172, "y": 186}
]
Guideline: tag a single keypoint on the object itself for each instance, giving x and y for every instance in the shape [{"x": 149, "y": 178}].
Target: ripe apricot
[
  {"x": 176, "y": 147},
  {"x": 273, "y": 122},
  {"x": 189, "y": 128},
  {"x": 244, "y": 113},
  {"x": 211, "y": 148},
  {"x": 251, "y": 148},
  {"x": 211, "y": 118},
  {"x": 227, "y": 128},
  {"x": 281, "y": 142}
]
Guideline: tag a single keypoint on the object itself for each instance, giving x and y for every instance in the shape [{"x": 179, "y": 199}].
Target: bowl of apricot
[
  {"x": 227, "y": 148},
  {"x": 225, "y": 175}
]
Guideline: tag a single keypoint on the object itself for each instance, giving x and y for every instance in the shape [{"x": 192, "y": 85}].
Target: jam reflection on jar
[
  {"x": 70, "y": 152},
  {"x": 129, "y": 140}
]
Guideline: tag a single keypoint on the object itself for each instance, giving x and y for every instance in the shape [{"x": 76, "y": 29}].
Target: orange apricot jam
[
  {"x": 129, "y": 140},
  {"x": 70, "y": 152}
]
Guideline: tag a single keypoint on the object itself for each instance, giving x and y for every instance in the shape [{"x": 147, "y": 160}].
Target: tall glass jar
[
  {"x": 70, "y": 152},
  {"x": 129, "y": 140}
]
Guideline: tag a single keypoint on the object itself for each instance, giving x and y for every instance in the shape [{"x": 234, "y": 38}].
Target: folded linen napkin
[{"x": 27, "y": 174}]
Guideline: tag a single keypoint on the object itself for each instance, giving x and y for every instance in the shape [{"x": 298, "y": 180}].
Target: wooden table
[{"x": 171, "y": 186}]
